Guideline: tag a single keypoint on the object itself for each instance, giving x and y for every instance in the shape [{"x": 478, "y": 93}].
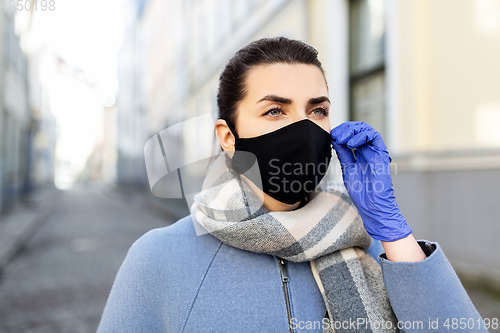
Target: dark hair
[{"x": 262, "y": 51}]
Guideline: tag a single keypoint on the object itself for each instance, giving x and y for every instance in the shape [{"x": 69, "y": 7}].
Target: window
[{"x": 367, "y": 63}]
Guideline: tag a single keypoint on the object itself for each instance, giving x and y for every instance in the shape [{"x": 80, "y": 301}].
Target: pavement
[
  {"x": 24, "y": 220},
  {"x": 59, "y": 256}
]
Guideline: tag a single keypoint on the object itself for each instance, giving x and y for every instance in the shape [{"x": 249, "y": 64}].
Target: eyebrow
[{"x": 284, "y": 100}]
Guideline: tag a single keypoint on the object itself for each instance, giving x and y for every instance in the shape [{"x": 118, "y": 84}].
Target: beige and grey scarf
[{"x": 327, "y": 231}]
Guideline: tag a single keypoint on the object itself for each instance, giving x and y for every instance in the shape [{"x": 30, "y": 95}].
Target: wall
[{"x": 444, "y": 107}]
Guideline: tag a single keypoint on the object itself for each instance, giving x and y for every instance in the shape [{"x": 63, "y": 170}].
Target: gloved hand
[{"x": 367, "y": 178}]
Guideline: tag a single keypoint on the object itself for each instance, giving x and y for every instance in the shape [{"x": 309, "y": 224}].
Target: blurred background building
[
  {"x": 16, "y": 120},
  {"x": 424, "y": 73},
  {"x": 132, "y": 116},
  {"x": 427, "y": 80}
]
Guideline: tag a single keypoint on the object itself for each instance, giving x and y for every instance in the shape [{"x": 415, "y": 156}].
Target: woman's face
[
  {"x": 276, "y": 96},
  {"x": 280, "y": 94}
]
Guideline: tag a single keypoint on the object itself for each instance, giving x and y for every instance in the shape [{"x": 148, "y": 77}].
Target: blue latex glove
[{"x": 367, "y": 178}]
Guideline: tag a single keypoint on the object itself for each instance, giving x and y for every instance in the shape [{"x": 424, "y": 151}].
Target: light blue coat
[{"x": 175, "y": 281}]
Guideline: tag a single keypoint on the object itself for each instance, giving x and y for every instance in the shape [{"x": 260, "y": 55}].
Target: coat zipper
[{"x": 285, "y": 279}]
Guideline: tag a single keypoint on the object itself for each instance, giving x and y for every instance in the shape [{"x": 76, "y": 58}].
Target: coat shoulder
[{"x": 172, "y": 240}]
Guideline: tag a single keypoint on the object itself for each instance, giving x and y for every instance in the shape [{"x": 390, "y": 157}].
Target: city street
[
  {"x": 95, "y": 118},
  {"x": 60, "y": 281}
]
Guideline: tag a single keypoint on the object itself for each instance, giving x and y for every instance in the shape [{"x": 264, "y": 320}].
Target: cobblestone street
[{"x": 61, "y": 280}]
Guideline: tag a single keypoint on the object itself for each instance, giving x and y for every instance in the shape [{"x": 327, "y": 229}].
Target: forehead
[{"x": 286, "y": 80}]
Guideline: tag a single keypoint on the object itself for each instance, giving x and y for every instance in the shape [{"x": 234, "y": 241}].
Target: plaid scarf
[{"x": 327, "y": 231}]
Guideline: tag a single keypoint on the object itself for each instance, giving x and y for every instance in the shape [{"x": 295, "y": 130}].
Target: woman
[{"x": 278, "y": 254}]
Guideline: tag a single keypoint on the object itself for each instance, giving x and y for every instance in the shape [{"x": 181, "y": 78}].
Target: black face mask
[{"x": 292, "y": 160}]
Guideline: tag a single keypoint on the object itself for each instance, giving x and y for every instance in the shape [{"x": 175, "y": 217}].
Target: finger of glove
[
  {"x": 360, "y": 157},
  {"x": 367, "y": 136},
  {"x": 364, "y": 164},
  {"x": 370, "y": 152},
  {"x": 342, "y": 133},
  {"x": 343, "y": 153}
]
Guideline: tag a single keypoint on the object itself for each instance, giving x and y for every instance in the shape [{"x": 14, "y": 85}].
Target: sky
[{"x": 86, "y": 34}]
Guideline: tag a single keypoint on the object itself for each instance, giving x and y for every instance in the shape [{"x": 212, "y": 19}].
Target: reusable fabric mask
[{"x": 291, "y": 160}]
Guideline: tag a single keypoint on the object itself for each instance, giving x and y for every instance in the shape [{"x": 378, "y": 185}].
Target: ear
[{"x": 226, "y": 137}]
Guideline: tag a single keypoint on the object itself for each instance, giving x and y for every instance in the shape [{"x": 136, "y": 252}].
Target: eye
[
  {"x": 275, "y": 111},
  {"x": 321, "y": 112}
]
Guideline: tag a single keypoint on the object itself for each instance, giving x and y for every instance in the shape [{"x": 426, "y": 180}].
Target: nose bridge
[{"x": 299, "y": 113}]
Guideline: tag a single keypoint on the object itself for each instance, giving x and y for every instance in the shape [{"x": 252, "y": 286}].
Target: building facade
[
  {"x": 16, "y": 122},
  {"x": 130, "y": 105},
  {"x": 427, "y": 80}
]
